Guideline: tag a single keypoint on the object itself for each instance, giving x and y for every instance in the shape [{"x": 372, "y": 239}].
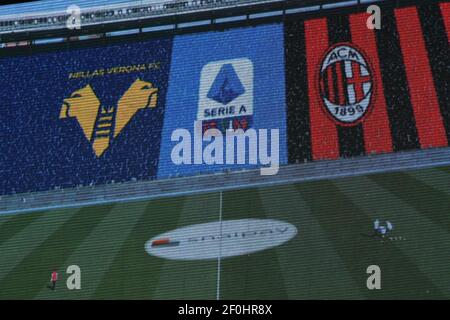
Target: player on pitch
[{"x": 54, "y": 279}]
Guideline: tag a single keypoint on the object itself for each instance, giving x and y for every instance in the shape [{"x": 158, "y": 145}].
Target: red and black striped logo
[
  {"x": 354, "y": 91},
  {"x": 346, "y": 84}
]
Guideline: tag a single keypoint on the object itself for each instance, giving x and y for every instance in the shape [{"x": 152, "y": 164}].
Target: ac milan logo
[{"x": 346, "y": 84}]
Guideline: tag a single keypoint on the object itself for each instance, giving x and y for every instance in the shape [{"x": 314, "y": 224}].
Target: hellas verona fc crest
[{"x": 102, "y": 123}]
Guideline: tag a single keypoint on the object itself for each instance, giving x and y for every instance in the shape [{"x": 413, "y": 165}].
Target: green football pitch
[{"x": 327, "y": 259}]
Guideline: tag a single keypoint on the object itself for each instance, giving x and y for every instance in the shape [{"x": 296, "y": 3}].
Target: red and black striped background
[{"x": 410, "y": 57}]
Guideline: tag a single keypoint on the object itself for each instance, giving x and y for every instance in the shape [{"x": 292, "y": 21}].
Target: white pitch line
[{"x": 220, "y": 248}]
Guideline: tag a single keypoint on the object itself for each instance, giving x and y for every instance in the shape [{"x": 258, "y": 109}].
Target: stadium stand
[
  {"x": 53, "y": 14},
  {"x": 234, "y": 180}
]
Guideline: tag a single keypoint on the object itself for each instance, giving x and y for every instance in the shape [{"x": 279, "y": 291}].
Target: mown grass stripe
[
  {"x": 433, "y": 179},
  {"x": 428, "y": 253},
  {"x": 14, "y": 224},
  {"x": 33, "y": 272},
  {"x": 96, "y": 253},
  {"x": 308, "y": 262},
  {"x": 18, "y": 247},
  {"x": 347, "y": 228},
  {"x": 257, "y": 275},
  {"x": 427, "y": 200},
  {"x": 445, "y": 169},
  {"x": 133, "y": 273},
  {"x": 195, "y": 279}
]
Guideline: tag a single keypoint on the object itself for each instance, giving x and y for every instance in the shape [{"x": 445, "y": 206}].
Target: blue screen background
[
  {"x": 41, "y": 151},
  {"x": 264, "y": 46}
]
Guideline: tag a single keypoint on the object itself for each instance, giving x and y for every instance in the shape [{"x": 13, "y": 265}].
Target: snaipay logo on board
[{"x": 221, "y": 239}]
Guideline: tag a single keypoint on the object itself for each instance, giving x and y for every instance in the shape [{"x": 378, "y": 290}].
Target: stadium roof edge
[
  {"x": 46, "y": 6},
  {"x": 177, "y": 19}
]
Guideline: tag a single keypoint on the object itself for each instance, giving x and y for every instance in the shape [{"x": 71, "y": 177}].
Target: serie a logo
[
  {"x": 101, "y": 124},
  {"x": 346, "y": 84}
]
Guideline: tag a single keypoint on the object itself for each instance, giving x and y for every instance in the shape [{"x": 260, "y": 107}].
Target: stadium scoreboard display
[{"x": 307, "y": 89}]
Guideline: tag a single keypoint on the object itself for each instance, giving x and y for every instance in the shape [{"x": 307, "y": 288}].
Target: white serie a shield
[{"x": 226, "y": 89}]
